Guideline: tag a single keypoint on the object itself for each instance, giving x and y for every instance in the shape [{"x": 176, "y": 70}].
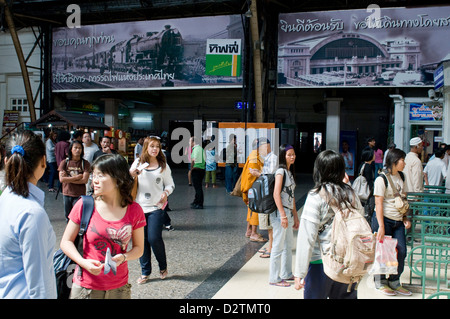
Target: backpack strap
[
  {"x": 88, "y": 209},
  {"x": 395, "y": 190}
]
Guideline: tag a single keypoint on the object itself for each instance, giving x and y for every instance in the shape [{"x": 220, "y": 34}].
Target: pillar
[
  {"x": 111, "y": 112},
  {"x": 446, "y": 106},
  {"x": 400, "y": 133},
  {"x": 333, "y": 123}
]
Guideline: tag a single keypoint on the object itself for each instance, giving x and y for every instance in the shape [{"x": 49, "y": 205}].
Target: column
[
  {"x": 446, "y": 106},
  {"x": 333, "y": 123},
  {"x": 400, "y": 138},
  {"x": 111, "y": 112}
]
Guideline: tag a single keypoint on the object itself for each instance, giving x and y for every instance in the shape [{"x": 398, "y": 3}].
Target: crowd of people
[{"x": 131, "y": 207}]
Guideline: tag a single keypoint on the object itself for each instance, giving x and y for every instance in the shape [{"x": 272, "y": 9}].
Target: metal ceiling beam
[{"x": 22, "y": 62}]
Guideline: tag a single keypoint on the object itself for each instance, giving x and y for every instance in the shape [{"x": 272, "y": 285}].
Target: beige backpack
[{"x": 352, "y": 247}]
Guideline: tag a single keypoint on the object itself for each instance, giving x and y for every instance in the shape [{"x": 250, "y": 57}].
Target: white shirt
[
  {"x": 137, "y": 150},
  {"x": 436, "y": 171},
  {"x": 447, "y": 181},
  {"x": 89, "y": 152},
  {"x": 270, "y": 163},
  {"x": 413, "y": 172},
  {"x": 151, "y": 185},
  {"x": 27, "y": 244},
  {"x": 387, "y": 193}
]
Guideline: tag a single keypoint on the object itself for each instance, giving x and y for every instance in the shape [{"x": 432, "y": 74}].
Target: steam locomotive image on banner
[{"x": 142, "y": 55}]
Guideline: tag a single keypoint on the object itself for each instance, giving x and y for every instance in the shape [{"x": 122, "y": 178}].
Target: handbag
[
  {"x": 361, "y": 186},
  {"x": 237, "y": 188},
  {"x": 134, "y": 188},
  {"x": 400, "y": 201},
  {"x": 61, "y": 262}
]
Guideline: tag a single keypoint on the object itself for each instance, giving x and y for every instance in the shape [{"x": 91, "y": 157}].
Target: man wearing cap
[
  {"x": 270, "y": 166},
  {"x": 413, "y": 169}
]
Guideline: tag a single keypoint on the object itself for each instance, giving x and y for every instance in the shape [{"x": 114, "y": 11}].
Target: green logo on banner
[{"x": 223, "y": 57}]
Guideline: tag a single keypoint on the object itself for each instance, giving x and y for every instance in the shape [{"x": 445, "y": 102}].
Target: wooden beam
[
  {"x": 256, "y": 61},
  {"x": 23, "y": 66}
]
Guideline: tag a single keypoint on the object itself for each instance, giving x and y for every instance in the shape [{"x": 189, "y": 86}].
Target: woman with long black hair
[
  {"x": 387, "y": 219},
  {"x": 73, "y": 174},
  {"x": 314, "y": 241},
  {"x": 284, "y": 219}
]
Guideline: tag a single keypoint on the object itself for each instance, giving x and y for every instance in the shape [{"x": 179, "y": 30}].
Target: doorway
[{"x": 310, "y": 142}]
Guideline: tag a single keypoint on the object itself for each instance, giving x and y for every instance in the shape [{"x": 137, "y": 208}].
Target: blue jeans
[
  {"x": 53, "y": 169},
  {"x": 69, "y": 202},
  {"x": 396, "y": 229},
  {"x": 319, "y": 286},
  {"x": 281, "y": 253},
  {"x": 231, "y": 177},
  {"x": 153, "y": 240}
]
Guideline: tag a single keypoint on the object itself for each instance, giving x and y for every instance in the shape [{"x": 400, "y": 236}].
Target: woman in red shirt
[{"x": 115, "y": 222}]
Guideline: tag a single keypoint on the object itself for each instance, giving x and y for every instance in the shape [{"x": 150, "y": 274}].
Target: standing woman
[
  {"x": 115, "y": 222},
  {"x": 314, "y": 234},
  {"x": 387, "y": 220},
  {"x": 27, "y": 239},
  {"x": 51, "y": 160},
  {"x": 73, "y": 174},
  {"x": 284, "y": 220},
  {"x": 155, "y": 184}
]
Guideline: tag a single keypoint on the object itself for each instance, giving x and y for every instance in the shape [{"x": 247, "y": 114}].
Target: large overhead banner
[
  {"x": 369, "y": 47},
  {"x": 145, "y": 55}
]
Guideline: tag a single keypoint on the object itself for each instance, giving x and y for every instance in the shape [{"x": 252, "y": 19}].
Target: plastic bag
[{"x": 386, "y": 262}]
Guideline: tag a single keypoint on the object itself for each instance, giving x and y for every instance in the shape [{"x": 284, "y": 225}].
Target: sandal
[
  {"x": 258, "y": 239},
  {"x": 142, "y": 280},
  {"x": 163, "y": 274},
  {"x": 265, "y": 255},
  {"x": 281, "y": 283},
  {"x": 262, "y": 250},
  {"x": 386, "y": 290}
]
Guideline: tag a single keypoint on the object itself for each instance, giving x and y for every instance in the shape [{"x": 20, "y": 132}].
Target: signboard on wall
[
  {"x": 223, "y": 57},
  {"x": 398, "y": 47},
  {"x": 145, "y": 55},
  {"x": 425, "y": 113}
]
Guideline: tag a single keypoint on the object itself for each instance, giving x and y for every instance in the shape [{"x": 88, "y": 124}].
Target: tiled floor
[{"x": 208, "y": 255}]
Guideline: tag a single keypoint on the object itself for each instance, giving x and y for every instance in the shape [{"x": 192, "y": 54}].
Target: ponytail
[{"x": 24, "y": 152}]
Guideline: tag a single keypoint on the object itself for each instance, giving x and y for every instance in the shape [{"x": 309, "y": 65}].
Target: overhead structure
[
  {"x": 71, "y": 120},
  {"x": 23, "y": 65}
]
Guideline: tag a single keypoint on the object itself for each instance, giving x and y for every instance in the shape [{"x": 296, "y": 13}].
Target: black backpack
[
  {"x": 62, "y": 264},
  {"x": 260, "y": 195}
]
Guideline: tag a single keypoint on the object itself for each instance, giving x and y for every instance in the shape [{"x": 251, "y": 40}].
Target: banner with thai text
[
  {"x": 143, "y": 55},
  {"x": 371, "y": 47}
]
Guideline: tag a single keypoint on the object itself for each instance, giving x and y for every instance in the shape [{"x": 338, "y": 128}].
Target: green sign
[{"x": 223, "y": 57}]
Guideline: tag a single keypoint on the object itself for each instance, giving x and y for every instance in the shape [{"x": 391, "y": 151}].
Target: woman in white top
[
  {"x": 283, "y": 220},
  {"x": 314, "y": 233},
  {"x": 389, "y": 221},
  {"x": 155, "y": 184}
]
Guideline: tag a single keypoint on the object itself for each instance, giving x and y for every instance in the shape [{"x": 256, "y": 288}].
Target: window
[{"x": 20, "y": 105}]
